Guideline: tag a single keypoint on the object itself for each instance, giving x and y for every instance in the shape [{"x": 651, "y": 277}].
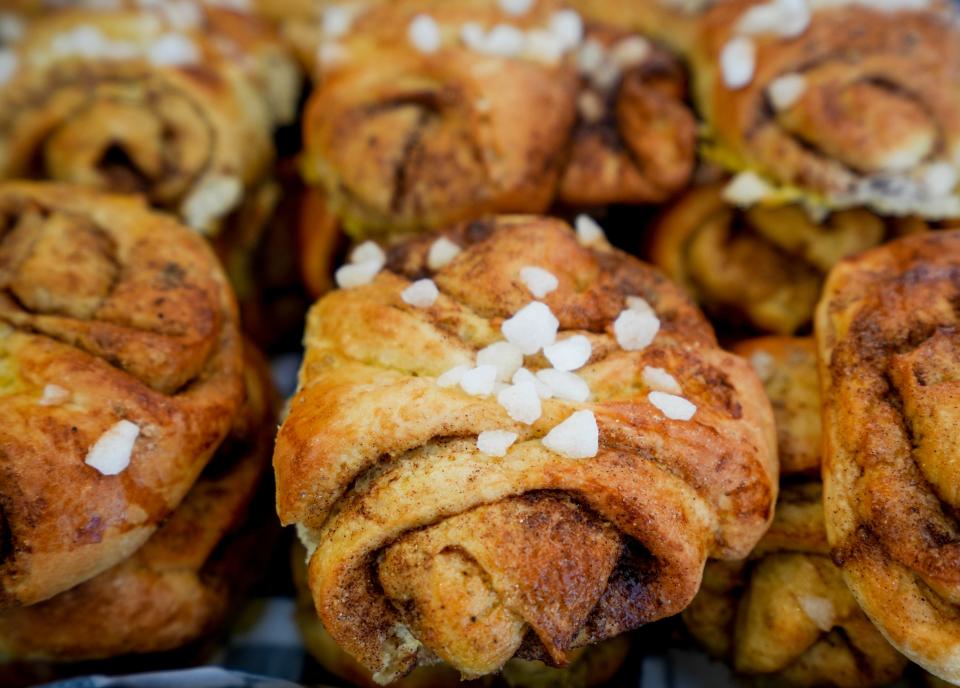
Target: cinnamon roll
[
  {"x": 121, "y": 371},
  {"x": 887, "y": 341},
  {"x": 428, "y": 112},
  {"x": 762, "y": 267},
  {"x": 176, "y": 101},
  {"x": 634, "y": 141},
  {"x": 450, "y": 515},
  {"x": 784, "y": 616},
  {"x": 179, "y": 586},
  {"x": 837, "y": 104}
]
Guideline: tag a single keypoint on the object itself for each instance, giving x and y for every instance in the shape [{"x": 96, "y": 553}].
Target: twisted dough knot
[
  {"x": 860, "y": 107},
  {"x": 181, "y": 584},
  {"x": 763, "y": 266},
  {"x": 426, "y": 547},
  {"x": 890, "y": 354},
  {"x": 404, "y": 137},
  {"x": 127, "y": 100},
  {"x": 108, "y": 314},
  {"x": 635, "y": 137},
  {"x": 785, "y": 613}
]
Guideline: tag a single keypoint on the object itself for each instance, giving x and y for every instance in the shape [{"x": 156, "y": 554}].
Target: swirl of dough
[
  {"x": 887, "y": 336},
  {"x": 177, "y": 102}
]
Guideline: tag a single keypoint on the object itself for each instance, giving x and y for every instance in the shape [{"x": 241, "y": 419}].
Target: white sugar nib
[
  {"x": 424, "y": 34},
  {"x": 111, "y": 453},
  {"x": 544, "y": 46},
  {"x": 172, "y": 49},
  {"x": 589, "y": 233},
  {"x": 638, "y": 303},
  {"x": 746, "y": 188},
  {"x": 441, "y": 252},
  {"x": 421, "y": 294},
  {"x": 521, "y": 402},
  {"x": 357, "y": 274},
  {"x": 635, "y": 329},
  {"x": 540, "y": 282},
  {"x": 567, "y": 26},
  {"x": 54, "y": 395},
  {"x": 738, "y": 61},
  {"x": 479, "y": 381},
  {"x": 368, "y": 251},
  {"x": 672, "y": 406},
  {"x": 506, "y": 357},
  {"x": 763, "y": 364},
  {"x": 820, "y": 610},
  {"x": 503, "y": 40},
  {"x": 569, "y": 354},
  {"x": 575, "y": 438},
  {"x": 337, "y": 21},
  {"x": 532, "y": 328},
  {"x": 660, "y": 380},
  {"x": 565, "y": 385},
  {"x": 495, "y": 442},
  {"x": 786, "y": 90},
  {"x": 524, "y": 375},
  {"x": 516, "y": 7},
  {"x": 452, "y": 377}
]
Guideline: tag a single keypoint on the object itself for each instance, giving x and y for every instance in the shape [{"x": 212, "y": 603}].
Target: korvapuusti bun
[
  {"x": 887, "y": 339},
  {"x": 184, "y": 581},
  {"x": 784, "y": 616},
  {"x": 833, "y": 104},
  {"x": 762, "y": 267},
  {"x": 174, "y": 101},
  {"x": 120, "y": 374},
  {"x": 469, "y": 495},
  {"x": 428, "y": 112}
]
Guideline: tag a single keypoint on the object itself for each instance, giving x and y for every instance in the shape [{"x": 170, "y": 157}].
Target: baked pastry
[
  {"x": 784, "y": 616},
  {"x": 176, "y": 101},
  {"x": 787, "y": 366},
  {"x": 180, "y": 585},
  {"x": 837, "y": 105},
  {"x": 762, "y": 267},
  {"x": 589, "y": 666},
  {"x": 449, "y": 517},
  {"x": 887, "y": 341},
  {"x": 429, "y": 112},
  {"x": 635, "y": 138},
  {"x": 121, "y": 372}
]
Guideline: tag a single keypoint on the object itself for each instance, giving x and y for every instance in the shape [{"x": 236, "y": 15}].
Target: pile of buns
[{"x": 513, "y": 441}]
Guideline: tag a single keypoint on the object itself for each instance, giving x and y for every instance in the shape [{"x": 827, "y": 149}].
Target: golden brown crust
[
  {"x": 177, "y": 105},
  {"x": 877, "y": 112},
  {"x": 402, "y": 140},
  {"x": 785, "y": 615},
  {"x": 374, "y": 449},
  {"x": 179, "y": 586},
  {"x": 405, "y": 140},
  {"x": 879, "y": 106},
  {"x": 635, "y": 138},
  {"x": 787, "y": 366},
  {"x": 128, "y": 313},
  {"x": 887, "y": 340},
  {"x": 762, "y": 267},
  {"x": 592, "y": 666}
]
